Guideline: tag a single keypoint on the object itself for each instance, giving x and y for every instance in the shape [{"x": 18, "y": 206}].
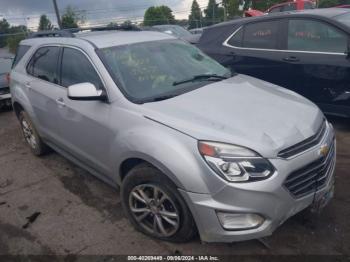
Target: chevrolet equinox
[{"x": 193, "y": 147}]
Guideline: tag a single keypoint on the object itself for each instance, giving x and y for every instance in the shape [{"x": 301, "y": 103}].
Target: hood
[{"x": 243, "y": 111}]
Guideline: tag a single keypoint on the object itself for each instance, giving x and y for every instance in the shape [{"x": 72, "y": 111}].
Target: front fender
[{"x": 172, "y": 152}]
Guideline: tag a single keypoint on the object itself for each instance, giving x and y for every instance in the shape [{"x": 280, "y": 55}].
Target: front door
[
  {"x": 319, "y": 65},
  {"x": 84, "y": 125}
]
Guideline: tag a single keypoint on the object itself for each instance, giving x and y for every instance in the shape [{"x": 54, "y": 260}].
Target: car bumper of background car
[
  {"x": 269, "y": 199},
  {"x": 5, "y": 100}
]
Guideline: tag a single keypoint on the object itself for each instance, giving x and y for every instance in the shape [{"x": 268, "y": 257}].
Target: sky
[{"x": 96, "y": 12}]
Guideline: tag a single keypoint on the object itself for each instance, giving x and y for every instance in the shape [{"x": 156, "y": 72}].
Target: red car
[
  {"x": 343, "y": 6},
  {"x": 287, "y": 6}
]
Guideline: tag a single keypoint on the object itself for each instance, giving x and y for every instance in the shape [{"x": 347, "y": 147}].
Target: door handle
[
  {"x": 27, "y": 85},
  {"x": 291, "y": 59},
  {"x": 60, "y": 102}
]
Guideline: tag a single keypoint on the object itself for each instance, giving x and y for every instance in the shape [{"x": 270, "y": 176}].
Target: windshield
[
  {"x": 177, "y": 31},
  {"x": 344, "y": 19},
  {"x": 153, "y": 69}
]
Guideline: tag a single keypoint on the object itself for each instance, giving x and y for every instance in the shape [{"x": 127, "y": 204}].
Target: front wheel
[{"x": 155, "y": 207}]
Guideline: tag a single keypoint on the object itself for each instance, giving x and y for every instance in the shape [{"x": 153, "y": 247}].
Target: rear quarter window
[
  {"x": 21, "y": 51},
  {"x": 236, "y": 39}
]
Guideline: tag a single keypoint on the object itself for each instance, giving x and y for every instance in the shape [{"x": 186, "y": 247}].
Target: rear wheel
[
  {"x": 31, "y": 136},
  {"x": 155, "y": 207}
]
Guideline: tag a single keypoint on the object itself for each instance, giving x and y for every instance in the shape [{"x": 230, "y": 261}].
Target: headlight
[{"x": 235, "y": 163}]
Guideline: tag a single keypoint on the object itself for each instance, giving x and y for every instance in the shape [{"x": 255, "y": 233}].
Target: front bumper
[{"x": 268, "y": 198}]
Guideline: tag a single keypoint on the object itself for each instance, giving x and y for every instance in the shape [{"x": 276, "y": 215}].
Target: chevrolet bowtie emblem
[{"x": 324, "y": 149}]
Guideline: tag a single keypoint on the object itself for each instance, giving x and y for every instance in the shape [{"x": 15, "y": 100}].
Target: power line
[{"x": 116, "y": 19}]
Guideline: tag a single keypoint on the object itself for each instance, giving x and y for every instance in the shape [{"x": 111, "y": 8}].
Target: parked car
[
  {"x": 307, "y": 52},
  {"x": 343, "y": 6},
  {"x": 192, "y": 147},
  {"x": 197, "y": 31},
  {"x": 177, "y": 31},
  {"x": 5, "y": 68},
  {"x": 283, "y": 7}
]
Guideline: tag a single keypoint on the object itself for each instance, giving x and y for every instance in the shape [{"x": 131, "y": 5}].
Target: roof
[
  {"x": 215, "y": 35},
  {"x": 324, "y": 12},
  {"x": 103, "y": 39},
  {"x": 113, "y": 38}
]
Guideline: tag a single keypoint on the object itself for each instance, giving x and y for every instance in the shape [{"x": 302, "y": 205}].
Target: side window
[
  {"x": 21, "y": 51},
  {"x": 310, "y": 35},
  {"x": 76, "y": 68},
  {"x": 43, "y": 64},
  {"x": 275, "y": 9},
  {"x": 236, "y": 39},
  {"x": 289, "y": 7},
  {"x": 261, "y": 35}
]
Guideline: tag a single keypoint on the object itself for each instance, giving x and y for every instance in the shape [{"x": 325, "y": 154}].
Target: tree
[
  {"x": 213, "y": 13},
  {"x": 328, "y": 3},
  {"x": 231, "y": 7},
  {"x": 13, "y": 41},
  {"x": 44, "y": 23},
  {"x": 158, "y": 15},
  {"x": 17, "y": 34},
  {"x": 70, "y": 18},
  {"x": 195, "y": 18},
  {"x": 4, "y": 29}
]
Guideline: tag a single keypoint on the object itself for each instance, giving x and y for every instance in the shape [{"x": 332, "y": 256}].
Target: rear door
[
  {"x": 319, "y": 66},
  {"x": 254, "y": 49},
  {"x": 43, "y": 90}
]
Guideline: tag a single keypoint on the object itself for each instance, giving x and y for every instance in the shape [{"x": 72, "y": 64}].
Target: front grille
[
  {"x": 305, "y": 144},
  {"x": 311, "y": 177}
]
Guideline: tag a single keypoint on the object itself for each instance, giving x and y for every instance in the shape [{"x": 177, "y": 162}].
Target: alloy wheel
[
  {"x": 154, "y": 210},
  {"x": 29, "y": 134}
]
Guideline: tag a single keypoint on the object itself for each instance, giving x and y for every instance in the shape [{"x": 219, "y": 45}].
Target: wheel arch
[
  {"x": 18, "y": 108},
  {"x": 137, "y": 159}
]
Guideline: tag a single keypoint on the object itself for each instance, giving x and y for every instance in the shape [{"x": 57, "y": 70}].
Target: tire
[
  {"x": 161, "y": 209},
  {"x": 31, "y": 136}
]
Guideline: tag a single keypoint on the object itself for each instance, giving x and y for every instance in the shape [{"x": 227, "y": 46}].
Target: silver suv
[{"x": 193, "y": 148}]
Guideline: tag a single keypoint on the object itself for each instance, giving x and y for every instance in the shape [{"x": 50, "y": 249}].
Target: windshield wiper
[{"x": 207, "y": 77}]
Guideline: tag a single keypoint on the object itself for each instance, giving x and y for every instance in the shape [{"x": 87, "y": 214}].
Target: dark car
[
  {"x": 5, "y": 68},
  {"x": 306, "y": 51}
]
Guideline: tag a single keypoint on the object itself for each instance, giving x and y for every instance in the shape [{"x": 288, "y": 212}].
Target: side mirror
[{"x": 85, "y": 92}]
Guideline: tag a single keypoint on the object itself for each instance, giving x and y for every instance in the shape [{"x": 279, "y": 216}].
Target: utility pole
[
  {"x": 213, "y": 12},
  {"x": 57, "y": 14}
]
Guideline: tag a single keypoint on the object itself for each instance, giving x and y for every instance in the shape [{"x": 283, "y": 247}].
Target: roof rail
[
  {"x": 70, "y": 32},
  {"x": 52, "y": 33},
  {"x": 128, "y": 27}
]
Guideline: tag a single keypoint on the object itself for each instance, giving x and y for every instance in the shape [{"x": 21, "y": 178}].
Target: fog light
[{"x": 234, "y": 221}]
